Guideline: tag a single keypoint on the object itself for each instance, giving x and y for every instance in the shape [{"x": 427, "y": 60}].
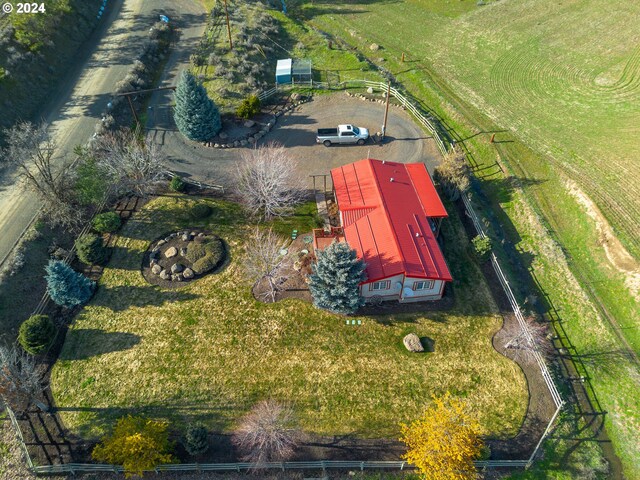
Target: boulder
[
  {"x": 193, "y": 234},
  {"x": 370, "y": 90},
  {"x": 185, "y": 237},
  {"x": 164, "y": 275},
  {"x": 295, "y": 97},
  {"x": 177, "y": 268},
  {"x": 188, "y": 273},
  {"x": 249, "y": 123},
  {"x": 161, "y": 242},
  {"x": 171, "y": 252},
  {"x": 223, "y": 136},
  {"x": 153, "y": 262},
  {"x": 412, "y": 343},
  {"x": 156, "y": 269},
  {"x": 183, "y": 251},
  {"x": 374, "y": 47},
  {"x": 176, "y": 278},
  {"x": 243, "y": 142}
]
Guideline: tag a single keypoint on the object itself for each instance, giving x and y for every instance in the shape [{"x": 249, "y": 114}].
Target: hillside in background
[{"x": 37, "y": 51}]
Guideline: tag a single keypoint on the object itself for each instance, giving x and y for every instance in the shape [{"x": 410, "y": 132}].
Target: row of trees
[
  {"x": 117, "y": 164},
  {"x": 443, "y": 443},
  {"x": 267, "y": 433}
]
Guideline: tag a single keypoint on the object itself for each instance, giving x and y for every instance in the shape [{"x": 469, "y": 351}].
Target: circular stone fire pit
[{"x": 182, "y": 256}]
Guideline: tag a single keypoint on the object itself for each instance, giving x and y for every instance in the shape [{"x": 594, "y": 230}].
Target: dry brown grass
[{"x": 209, "y": 351}]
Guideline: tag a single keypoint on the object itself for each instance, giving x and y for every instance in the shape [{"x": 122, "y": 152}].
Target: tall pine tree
[
  {"x": 196, "y": 116},
  {"x": 65, "y": 286},
  {"x": 334, "y": 283}
]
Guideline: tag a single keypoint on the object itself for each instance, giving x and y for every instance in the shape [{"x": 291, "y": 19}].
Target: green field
[
  {"x": 557, "y": 82},
  {"x": 208, "y": 351}
]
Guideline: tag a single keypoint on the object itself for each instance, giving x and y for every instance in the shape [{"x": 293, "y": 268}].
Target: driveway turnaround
[{"x": 405, "y": 142}]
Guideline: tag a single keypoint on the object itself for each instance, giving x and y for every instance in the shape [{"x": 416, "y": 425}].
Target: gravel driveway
[{"x": 405, "y": 141}]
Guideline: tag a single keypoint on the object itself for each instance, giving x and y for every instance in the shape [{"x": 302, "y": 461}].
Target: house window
[
  {"x": 425, "y": 285},
  {"x": 383, "y": 285}
]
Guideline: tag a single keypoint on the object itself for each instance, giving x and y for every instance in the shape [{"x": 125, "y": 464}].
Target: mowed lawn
[{"x": 209, "y": 350}]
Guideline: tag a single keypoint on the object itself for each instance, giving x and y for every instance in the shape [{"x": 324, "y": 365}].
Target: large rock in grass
[
  {"x": 412, "y": 343},
  {"x": 171, "y": 252}
]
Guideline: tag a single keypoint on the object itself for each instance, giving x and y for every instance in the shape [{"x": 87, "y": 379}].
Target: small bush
[
  {"x": 177, "y": 184},
  {"x": 195, "y": 251},
  {"x": 200, "y": 211},
  {"x": 36, "y": 334},
  {"x": 66, "y": 287},
  {"x": 196, "y": 440},
  {"x": 249, "y": 107},
  {"x": 481, "y": 247},
  {"x": 90, "y": 249},
  {"x": 205, "y": 256},
  {"x": 106, "y": 222}
]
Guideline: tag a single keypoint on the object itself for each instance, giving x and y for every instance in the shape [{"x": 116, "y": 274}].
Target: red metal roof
[{"x": 384, "y": 208}]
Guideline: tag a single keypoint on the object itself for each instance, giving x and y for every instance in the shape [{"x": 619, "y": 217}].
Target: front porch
[{"x": 323, "y": 237}]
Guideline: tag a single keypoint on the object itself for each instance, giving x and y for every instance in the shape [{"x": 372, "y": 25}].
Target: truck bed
[{"x": 323, "y": 132}]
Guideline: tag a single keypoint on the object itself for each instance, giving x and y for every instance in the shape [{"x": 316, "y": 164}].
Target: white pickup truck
[{"x": 342, "y": 134}]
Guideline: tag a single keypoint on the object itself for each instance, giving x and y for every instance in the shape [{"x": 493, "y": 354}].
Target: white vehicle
[{"x": 342, "y": 134}]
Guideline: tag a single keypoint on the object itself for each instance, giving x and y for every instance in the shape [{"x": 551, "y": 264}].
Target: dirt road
[{"x": 77, "y": 109}]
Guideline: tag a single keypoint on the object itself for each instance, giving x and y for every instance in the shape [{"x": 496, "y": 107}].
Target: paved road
[
  {"x": 74, "y": 115},
  {"x": 406, "y": 141}
]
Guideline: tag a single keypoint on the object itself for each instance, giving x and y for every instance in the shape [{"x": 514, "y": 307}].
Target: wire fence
[{"x": 75, "y": 468}]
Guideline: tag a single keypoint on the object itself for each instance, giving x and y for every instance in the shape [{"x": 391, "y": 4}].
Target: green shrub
[
  {"x": 481, "y": 247},
  {"x": 66, "y": 287},
  {"x": 195, "y": 251},
  {"x": 196, "y": 440},
  {"x": 90, "y": 249},
  {"x": 106, "y": 222},
  {"x": 200, "y": 211},
  {"x": 205, "y": 255},
  {"x": 249, "y": 107},
  {"x": 36, "y": 334},
  {"x": 177, "y": 184}
]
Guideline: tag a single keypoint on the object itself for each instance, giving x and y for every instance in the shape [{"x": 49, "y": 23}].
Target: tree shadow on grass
[
  {"x": 123, "y": 297},
  {"x": 81, "y": 344}
]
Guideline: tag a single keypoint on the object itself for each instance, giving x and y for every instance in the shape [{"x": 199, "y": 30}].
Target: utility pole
[
  {"x": 386, "y": 110},
  {"x": 226, "y": 11}
]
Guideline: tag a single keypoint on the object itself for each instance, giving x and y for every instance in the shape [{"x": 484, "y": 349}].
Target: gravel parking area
[{"x": 405, "y": 142}]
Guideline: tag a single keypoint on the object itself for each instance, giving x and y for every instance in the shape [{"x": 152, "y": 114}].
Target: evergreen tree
[
  {"x": 66, "y": 287},
  {"x": 196, "y": 116},
  {"x": 334, "y": 283}
]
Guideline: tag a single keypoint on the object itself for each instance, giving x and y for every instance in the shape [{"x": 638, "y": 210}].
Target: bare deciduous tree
[
  {"x": 523, "y": 345},
  {"x": 21, "y": 379},
  {"x": 453, "y": 174},
  {"x": 134, "y": 165},
  {"x": 31, "y": 149},
  {"x": 267, "y": 433},
  {"x": 265, "y": 262},
  {"x": 268, "y": 180}
]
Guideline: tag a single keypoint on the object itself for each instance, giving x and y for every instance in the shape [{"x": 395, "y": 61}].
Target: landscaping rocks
[
  {"x": 161, "y": 242},
  {"x": 171, "y": 252},
  {"x": 249, "y": 124},
  {"x": 164, "y": 275},
  {"x": 156, "y": 269},
  {"x": 183, "y": 251},
  {"x": 223, "y": 136},
  {"x": 412, "y": 343},
  {"x": 188, "y": 273},
  {"x": 370, "y": 90},
  {"x": 177, "y": 268}
]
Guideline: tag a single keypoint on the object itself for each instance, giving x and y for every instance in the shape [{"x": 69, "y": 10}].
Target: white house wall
[
  {"x": 433, "y": 293},
  {"x": 392, "y": 293}
]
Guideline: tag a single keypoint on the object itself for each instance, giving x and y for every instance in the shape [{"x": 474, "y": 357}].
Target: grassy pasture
[
  {"x": 208, "y": 351},
  {"x": 557, "y": 83}
]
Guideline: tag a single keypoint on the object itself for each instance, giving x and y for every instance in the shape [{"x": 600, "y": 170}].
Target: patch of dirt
[
  {"x": 617, "y": 255},
  {"x": 541, "y": 406},
  {"x": 233, "y": 128}
]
